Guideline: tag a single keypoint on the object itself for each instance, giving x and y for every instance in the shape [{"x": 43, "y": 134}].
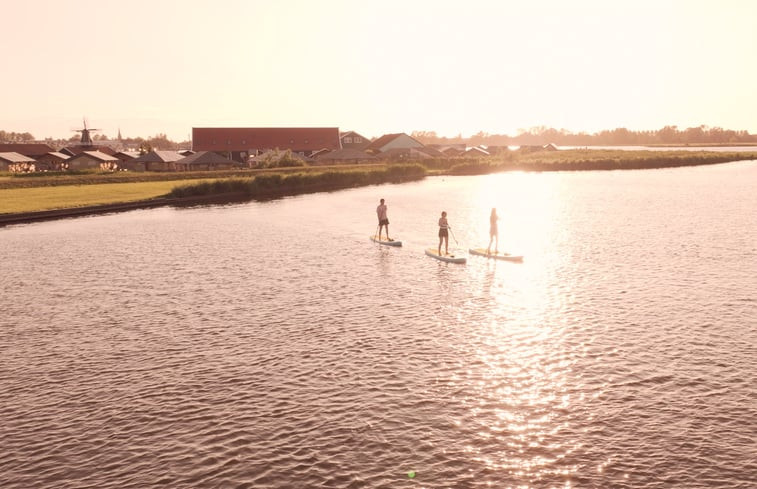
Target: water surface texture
[{"x": 272, "y": 345}]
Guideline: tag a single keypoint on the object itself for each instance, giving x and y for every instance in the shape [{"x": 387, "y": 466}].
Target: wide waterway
[{"x": 272, "y": 345}]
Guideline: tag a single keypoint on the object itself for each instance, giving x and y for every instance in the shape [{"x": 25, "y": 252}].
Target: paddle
[
  {"x": 453, "y": 235},
  {"x": 377, "y": 232}
]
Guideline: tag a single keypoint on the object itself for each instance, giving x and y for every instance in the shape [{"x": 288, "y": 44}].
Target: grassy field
[{"x": 67, "y": 196}]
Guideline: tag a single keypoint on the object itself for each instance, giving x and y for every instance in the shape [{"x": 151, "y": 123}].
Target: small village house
[
  {"x": 16, "y": 162},
  {"x": 124, "y": 157},
  {"x": 344, "y": 156},
  {"x": 78, "y": 149},
  {"x": 155, "y": 161},
  {"x": 205, "y": 161},
  {"x": 52, "y": 161},
  {"x": 353, "y": 140},
  {"x": 92, "y": 160},
  {"x": 393, "y": 141}
]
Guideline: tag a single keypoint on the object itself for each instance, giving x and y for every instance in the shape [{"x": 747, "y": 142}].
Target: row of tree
[
  {"x": 535, "y": 136},
  {"x": 159, "y": 141},
  {"x": 669, "y": 135}
]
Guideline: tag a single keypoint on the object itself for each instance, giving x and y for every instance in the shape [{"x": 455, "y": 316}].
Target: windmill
[{"x": 86, "y": 140}]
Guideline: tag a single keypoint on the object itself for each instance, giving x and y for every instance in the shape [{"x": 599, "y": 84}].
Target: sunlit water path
[{"x": 273, "y": 345}]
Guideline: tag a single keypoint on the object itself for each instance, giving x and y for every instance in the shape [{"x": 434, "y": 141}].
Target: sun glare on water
[{"x": 521, "y": 385}]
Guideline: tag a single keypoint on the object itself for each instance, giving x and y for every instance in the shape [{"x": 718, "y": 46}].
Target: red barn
[{"x": 241, "y": 142}]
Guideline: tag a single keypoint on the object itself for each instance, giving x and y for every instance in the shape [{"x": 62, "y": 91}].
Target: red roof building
[
  {"x": 33, "y": 150},
  {"x": 239, "y": 143}
]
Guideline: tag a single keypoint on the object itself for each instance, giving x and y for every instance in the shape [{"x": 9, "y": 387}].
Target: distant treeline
[
  {"x": 668, "y": 135},
  {"x": 159, "y": 141}
]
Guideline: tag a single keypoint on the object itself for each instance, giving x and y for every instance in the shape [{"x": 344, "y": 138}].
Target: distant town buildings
[
  {"x": 240, "y": 143},
  {"x": 215, "y": 148}
]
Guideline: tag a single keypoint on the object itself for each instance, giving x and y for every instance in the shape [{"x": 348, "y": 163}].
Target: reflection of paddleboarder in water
[
  {"x": 493, "y": 232},
  {"x": 383, "y": 220},
  {"x": 443, "y": 234}
]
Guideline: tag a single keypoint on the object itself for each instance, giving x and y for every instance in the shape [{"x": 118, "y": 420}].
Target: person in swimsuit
[
  {"x": 383, "y": 220},
  {"x": 443, "y": 234},
  {"x": 493, "y": 232}
]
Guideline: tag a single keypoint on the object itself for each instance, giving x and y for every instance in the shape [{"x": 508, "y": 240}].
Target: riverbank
[
  {"x": 35, "y": 197},
  {"x": 213, "y": 191}
]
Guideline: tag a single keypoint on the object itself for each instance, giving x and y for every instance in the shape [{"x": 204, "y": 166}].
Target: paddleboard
[
  {"x": 386, "y": 242},
  {"x": 496, "y": 256},
  {"x": 451, "y": 258}
]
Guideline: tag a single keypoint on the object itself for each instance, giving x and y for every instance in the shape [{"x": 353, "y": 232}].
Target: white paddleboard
[
  {"x": 496, "y": 256},
  {"x": 451, "y": 258},
  {"x": 387, "y": 242}
]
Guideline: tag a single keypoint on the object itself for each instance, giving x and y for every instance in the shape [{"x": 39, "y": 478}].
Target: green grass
[
  {"x": 92, "y": 177},
  {"x": 579, "y": 160},
  {"x": 68, "y": 196},
  {"x": 266, "y": 185}
]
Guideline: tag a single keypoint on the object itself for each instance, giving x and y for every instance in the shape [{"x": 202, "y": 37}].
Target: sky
[{"x": 149, "y": 67}]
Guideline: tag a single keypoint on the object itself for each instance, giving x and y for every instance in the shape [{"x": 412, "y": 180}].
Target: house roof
[
  {"x": 476, "y": 149},
  {"x": 58, "y": 154},
  {"x": 27, "y": 149},
  {"x": 246, "y": 138},
  {"x": 158, "y": 157},
  {"x": 345, "y": 154},
  {"x": 13, "y": 157},
  {"x": 353, "y": 134},
  {"x": 78, "y": 149},
  {"x": 98, "y": 155},
  {"x": 128, "y": 154},
  {"x": 383, "y": 141},
  {"x": 386, "y": 139},
  {"x": 204, "y": 158}
]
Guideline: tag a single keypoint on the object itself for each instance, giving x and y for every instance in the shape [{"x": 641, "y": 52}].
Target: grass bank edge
[
  {"x": 272, "y": 184},
  {"x": 600, "y": 160}
]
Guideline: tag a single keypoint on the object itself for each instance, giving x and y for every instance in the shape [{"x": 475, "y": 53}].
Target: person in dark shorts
[
  {"x": 383, "y": 220},
  {"x": 443, "y": 234}
]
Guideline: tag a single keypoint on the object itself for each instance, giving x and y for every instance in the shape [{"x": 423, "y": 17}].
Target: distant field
[{"x": 67, "y": 196}]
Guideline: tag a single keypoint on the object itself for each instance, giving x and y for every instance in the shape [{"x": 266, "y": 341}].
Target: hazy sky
[{"x": 380, "y": 66}]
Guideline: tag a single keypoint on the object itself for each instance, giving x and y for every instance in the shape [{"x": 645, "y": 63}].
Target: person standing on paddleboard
[
  {"x": 493, "y": 232},
  {"x": 383, "y": 220},
  {"x": 443, "y": 234}
]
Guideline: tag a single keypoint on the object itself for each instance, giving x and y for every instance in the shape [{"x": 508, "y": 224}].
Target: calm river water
[{"x": 272, "y": 345}]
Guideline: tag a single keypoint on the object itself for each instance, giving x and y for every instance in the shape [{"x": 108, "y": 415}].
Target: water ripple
[{"x": 268, "y": 345}]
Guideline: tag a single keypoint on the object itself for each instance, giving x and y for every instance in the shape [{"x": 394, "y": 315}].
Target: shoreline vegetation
[{"x": 32, "y": 197}]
